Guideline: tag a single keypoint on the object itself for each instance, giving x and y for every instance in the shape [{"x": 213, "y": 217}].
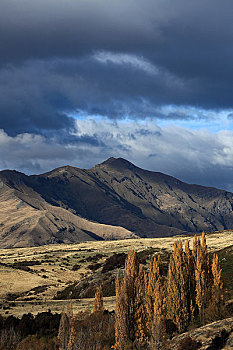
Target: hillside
[
  {"x": 26, "y": 219},
  {"x": 113, "y": 200},
  {"x": 32, "y": 277},
  {"x": 46, "y": 279}
]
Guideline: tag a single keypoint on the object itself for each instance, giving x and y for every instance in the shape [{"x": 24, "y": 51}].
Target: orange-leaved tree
[
  {"x": 203, "y": 278},
  {"x": 98, "y": 303},
  {"x": 150, "y": 281},
  {"x": 141, "y": 335},
  {"x": 65, "y": 328},
  {"x": 158, "y": 330},
  {"x": 191, "y": 286},
  {"x": 217, "y": 288},
  {"x": 130, "y": 324},
  {"x": 177, "y": 288}
]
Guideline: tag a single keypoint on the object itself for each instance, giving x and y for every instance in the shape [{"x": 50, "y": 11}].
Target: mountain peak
[{"x": 117, "y": 163}]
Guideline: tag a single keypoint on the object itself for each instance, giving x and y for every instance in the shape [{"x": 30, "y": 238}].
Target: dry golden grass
[
  {"x": 33, "y": 307},
  {"x": 27, "y": 220},
  {"x": 55, "y": 271}
]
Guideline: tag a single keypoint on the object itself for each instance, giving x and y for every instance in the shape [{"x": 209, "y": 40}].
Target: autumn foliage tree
[
  {"x": 64, "y": 331},
  {"x": 203, "y": 278},
  {"x": 121, "y": 336},
  {"x": 158, "y": 326},
  {"x": 98, "y": 304},
  {"x": 141, "y": 332},
  {"x": 177, "y": 288},
  {"x": 191, "y": 293},
  {"x": 147, "y": 300},
  {"x": 194, "y": 288},
  {"x": 217, "y": 288},
  {"x": 130, "y": 324},
  {"x": 150, "y": 281}
]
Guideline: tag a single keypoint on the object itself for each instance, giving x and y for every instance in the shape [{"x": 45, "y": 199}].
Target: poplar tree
[
  {"x": 206, "y": 260},
  {"x": 72, "y": 335},
  {"x": 217, "y": 287},
  {"x": 151, "y": 279},
  {"x": 202, "y": 278},
  {"x": 196, "y": 243},
  {"x": 177, "y": 300},
  {"x": 140, "y": 310},
  {"x": 126, "y": 315},
  {"x": 63, "y": 332},
  {"x": 158, "y": 331},
  {"x": 191, "y": 285},
  {"x": 121, "y": 314},
  {"x": 130, "y": 325},
  {"x": 200, "y": 285},
  {"x": 130, "y": 275},
  {"x": 65, "y": 327},
  {"x": 98, "y": 303}
]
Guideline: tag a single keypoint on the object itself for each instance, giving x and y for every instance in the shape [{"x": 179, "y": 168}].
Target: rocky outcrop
[{"x": 214, "y": 336}]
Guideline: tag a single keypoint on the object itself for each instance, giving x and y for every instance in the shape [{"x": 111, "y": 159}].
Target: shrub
[
  {"x": 32, "y": 342},
  {"x": 114, "y": 262},
  {"x": 188, "y": 344},
  {"x": 76, "y": 267}
]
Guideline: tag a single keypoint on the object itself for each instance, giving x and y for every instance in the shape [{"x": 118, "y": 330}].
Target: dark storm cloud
[
  {"x": 190, "y": 46},
  {"x": 38, "y": 96},
  {"x": 28, "y": 102},
  {"x": 69, "y": 28},
  {"x": 117, "y": 61}
]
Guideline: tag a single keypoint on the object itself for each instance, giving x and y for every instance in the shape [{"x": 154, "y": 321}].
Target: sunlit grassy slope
[{"x": 49, "y": 269}]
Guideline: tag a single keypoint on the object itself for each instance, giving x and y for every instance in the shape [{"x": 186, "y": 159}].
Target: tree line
[{"x": 148, "y": 303}]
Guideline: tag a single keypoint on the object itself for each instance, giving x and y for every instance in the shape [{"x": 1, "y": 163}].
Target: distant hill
[{"x": 113, "y": 200}]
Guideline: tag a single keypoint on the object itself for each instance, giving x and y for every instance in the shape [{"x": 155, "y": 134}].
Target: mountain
[{"x": 113, "y": 200}]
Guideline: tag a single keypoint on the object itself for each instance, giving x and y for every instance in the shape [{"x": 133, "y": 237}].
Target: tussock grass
[{"x": 56, "y": 263}]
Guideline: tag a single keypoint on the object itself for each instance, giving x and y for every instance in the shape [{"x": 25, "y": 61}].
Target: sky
[{"x": 150, "y": 81}]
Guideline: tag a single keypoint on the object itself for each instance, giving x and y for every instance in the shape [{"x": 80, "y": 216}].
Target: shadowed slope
[
  {"x": 116, "y": 193},
  {"x": 28, "y": 220}
]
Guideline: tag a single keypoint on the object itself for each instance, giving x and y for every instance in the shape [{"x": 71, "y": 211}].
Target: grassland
[{"x": 30, "y": 278}]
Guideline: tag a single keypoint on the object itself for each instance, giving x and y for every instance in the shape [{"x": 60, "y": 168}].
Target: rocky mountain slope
[{"x": 112, "y": 200}]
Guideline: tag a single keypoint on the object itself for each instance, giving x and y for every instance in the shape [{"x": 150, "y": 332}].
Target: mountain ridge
[{"x": 115, "y": 193}]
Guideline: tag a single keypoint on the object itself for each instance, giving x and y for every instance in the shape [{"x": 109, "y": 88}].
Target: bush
[
  {"x": 95, "y": 331},
  {"x": 188, "y": 344},
  {"x": 43, "y": 324},
  {"x": 94, "y": 267},
  {"x": 114, "y": 262},
  {"x": 32, "y": 342}
]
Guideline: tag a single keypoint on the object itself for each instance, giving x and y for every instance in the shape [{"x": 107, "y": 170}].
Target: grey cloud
[
  {"x": 190, "y": 46},
  {"x": 178, "y": 151},
  {"x": 29, "y": 104},
  {"x": 98, "y": 141},
  {"x": 31, "y": 153},
  {"x": 129, "y": 61},
  {"x": 147, "y": 132},
  {"x": 68, "y": 28},
  {"x": 38, "y": 96}
]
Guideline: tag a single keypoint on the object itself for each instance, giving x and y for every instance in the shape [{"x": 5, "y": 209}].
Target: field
[{"x": 30, "y": 278}]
